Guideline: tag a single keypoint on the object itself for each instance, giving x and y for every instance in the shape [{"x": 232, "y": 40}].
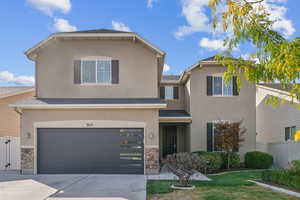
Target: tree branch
[{"x": 253, "y": 2}]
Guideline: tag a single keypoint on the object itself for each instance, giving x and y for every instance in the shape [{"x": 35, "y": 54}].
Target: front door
[{"x": 169, "y": 140}]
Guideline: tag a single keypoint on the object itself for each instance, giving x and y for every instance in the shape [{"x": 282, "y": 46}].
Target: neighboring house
[
  {"x": 276, "y": 125},
  {"x": 103, "y": 106},
  {"x": 10, "y": 126},
  {"x": 9, "y": 119}
]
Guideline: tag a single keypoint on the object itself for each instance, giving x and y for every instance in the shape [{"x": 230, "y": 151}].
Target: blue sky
[{"x": 179, "y": 27}]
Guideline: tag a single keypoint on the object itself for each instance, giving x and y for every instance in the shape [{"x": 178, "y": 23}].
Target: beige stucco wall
[
  {"x": 176, "y": 104},
  {"x": 148, "y": 116},
  {"x": 9, "y": 119},
  {"x": 138, "y": 69},
  {"x": 271, "y": 121},
  {"x": 187, "y": 93},
  {"x": 205, "y": 109}
]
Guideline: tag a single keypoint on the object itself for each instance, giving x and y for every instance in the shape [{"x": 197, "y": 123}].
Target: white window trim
[
  {"x": 96, "y": 59},
  {"x": 220, "y": 95}
]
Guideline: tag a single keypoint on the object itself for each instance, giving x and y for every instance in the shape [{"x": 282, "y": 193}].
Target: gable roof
[
  {"x": 8, "y": 91},
  {"x": 96, "y": 34}
]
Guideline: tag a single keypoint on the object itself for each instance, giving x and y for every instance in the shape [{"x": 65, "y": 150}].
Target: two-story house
[{"x": 103, "y": 106}]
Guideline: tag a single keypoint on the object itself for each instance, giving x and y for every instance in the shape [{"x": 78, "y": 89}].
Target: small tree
[
  {"x": 183, "y": 165},
  {"x": 229, "y": 136}
]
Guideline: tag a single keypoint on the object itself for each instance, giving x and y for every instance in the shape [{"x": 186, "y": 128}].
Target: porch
[{"x": 174, "y": 132}]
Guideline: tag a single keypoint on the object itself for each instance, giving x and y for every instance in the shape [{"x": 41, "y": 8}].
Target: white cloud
[
  {"x": 166, "y": 68},
  {"x": 212, "y": 45},
  {"x": 119, "y": 26},
  {"x": 63, "y": 25},
  {"x": 198, "y": 21},
  {"x": 8, "y": 77},
  {"x": 150, "y": 3},
  {"x": 50, "y": 6},
  {"x": 278, "y": 14},
  {"x": 198, "y": 18}
]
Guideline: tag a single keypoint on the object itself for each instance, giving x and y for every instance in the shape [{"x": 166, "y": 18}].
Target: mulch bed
[{"x": 278, "y": 185}]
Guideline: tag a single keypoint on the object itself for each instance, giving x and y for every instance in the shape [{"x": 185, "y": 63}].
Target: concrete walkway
[
  {"x": 81, "y": 187},
  {"x": 170, "y": 176}
]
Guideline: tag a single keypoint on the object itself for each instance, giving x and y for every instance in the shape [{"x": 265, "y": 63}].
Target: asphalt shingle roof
[
  {"x": 11, "y": 90},
  {"x": 173, "y": 113},
  {"x": 66, "y": 101},
  {"x": 170, "y": 77},
  {"x": 99, "y": 31},
  {"x": 277, "y": 86},
  {"x": 212, "y": 58}
]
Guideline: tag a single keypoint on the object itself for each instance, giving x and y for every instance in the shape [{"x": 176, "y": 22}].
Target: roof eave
[
  {"x": 30, "y": 52},
  {"x": 176, "y": 119},
  {"x": 17, "y": 93},
  {"x": 89, "y": 106}
]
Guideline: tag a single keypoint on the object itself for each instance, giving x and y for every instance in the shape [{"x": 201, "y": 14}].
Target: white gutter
[{"x": 175, "y": 119}]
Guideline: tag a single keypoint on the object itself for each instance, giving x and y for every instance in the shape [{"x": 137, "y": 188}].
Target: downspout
[{"x": 19, "y": 111}]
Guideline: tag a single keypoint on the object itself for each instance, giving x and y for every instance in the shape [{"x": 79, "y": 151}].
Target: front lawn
[{"x": 229, "y": 186}]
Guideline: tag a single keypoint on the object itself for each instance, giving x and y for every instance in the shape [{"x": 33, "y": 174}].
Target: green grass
[{"x": 229, "y": 186}]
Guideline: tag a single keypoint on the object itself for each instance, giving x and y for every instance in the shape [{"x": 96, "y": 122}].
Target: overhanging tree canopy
[{"x": 249, "y": 21}]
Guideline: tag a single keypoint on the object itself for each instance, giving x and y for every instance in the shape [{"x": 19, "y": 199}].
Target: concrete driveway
[{"x": 81, "y": 187}]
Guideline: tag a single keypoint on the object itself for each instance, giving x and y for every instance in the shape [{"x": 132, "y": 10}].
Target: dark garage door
[{"x": 75, "y": 151}]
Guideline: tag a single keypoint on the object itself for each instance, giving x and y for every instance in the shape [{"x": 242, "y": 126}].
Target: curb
[{"x": 278, "y": 189}]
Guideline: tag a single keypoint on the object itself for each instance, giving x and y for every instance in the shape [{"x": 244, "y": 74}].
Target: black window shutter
[
  {"x": 234, "y": 87},
  {"x": 162, "y": 92},
  {"x": 115, "y": 71},
  {"x": 77, "y": 71},
  {"x": 209, "y": 137},
  {"x": 236, "y": 146},
  {"x": 209, "y": 88},
  {"x": 176, "y": 92},
  {"x": 287, "y": 133}
]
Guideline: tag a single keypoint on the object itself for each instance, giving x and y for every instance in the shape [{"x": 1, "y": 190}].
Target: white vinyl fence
[
  {"x": 9, "y": 153},
  {"x": 284, "y": 153}
]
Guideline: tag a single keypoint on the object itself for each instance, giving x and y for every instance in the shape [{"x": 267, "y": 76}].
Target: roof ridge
[{"x": 102, "y": 30}]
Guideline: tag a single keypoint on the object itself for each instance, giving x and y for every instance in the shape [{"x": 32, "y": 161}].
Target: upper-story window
[
  {"x": 99, "y": 70},
  {"x": 169, "y": 92},
  {"x": 216, "y": 86},
  {"x": 290, "y": 133},
  {"x": 96, "y": 71},
  {"x": 220, "y": 87}
]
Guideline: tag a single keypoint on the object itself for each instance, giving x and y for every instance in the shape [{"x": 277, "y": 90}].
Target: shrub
[
  {"x": 234, "y": 160},
  {"x": 213, "y": 161},
  {"x": 183, "y": 165},
  {"x": 296, "y": 164},
  {"x": 258, "y": 160},
  {"x": 289, "y": 178}
]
